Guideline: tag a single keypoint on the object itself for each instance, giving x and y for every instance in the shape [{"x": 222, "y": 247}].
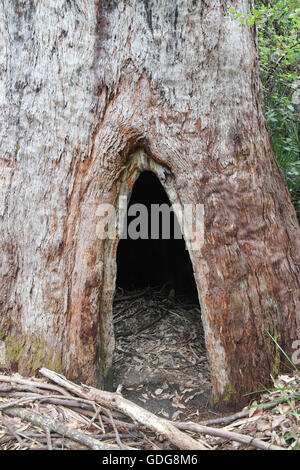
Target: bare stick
[
  {"x": 13, "y": 432},
  {"x": 32, "y": 383},
  {"x": 231, "y": 436},
  {"x": 133, "y": 296},
  {"x": 97, "y": 415},
  {"x": 239, "y": 414},
  {"x": 44, "y": 422},
  {"x": 137, "y": 413},
  {"x": 48, "y": 438},
  {"x": 21, "y": 401},
  {"x": 118, "y": 440}
]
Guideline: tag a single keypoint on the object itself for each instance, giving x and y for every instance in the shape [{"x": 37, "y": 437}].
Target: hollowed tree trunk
[{"x": 83, "y": 85}]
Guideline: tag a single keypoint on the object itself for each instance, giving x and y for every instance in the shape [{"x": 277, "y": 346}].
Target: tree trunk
[{"x": 85, "y": 85}]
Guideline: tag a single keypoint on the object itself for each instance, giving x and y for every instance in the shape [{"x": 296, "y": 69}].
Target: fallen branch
[
  {"x": 48, "y": 438},
  {"x": 137, "y": 413},
  {"x": 240, "y": 414},
  {"x": 231, "y": 436},
  {"x": 120, "y": 424},
  {"x": 117, "y": 435},
  {"x": 21, "y": 401},
  {"x": 32, "y": 383},
  {"x": 13, "y": 432},
  {"x": 52, "y": 425}
]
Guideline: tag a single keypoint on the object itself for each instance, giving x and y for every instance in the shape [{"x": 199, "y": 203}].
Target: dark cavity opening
[
  {"x": 157, "y": 262},
  {"x": 160, "y": 356}
]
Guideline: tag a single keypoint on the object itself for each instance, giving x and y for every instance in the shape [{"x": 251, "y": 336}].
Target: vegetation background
[{"x": 278, "y": 23}]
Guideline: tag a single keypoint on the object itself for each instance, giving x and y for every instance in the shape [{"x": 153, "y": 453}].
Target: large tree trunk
[{"x": 84, "y": 84}]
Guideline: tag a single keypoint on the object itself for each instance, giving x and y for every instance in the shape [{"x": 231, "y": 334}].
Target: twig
[
  {"x": 21, "y": 401},
  {"x": 133, "y": 296},
  {"x": 9, "y": 388},
  {"x": 97, "y": 415},
  {"x": 231, "y": 436},
  {"x": 239, "y": 415},
  {"x": 13, "y": 432},
  {"x": 148, "y": 441},
  {"x": 120, "y": 424},
  {"x": 120, "y": 318},
  {"x": 48, "y": 438},
  {"x": 44, "y": 422},
  {"x": 146, "y": 327},
  {"x": 32, "y": 383},
  {"x": 114, "y": 400},
  {"x": 118, "y": 440}
]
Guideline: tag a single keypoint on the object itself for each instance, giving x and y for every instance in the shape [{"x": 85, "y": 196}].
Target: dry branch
[
  {"x": 231, "y": 436},
  {"x": 13, "y": 432},
  {"x": 33, "y": 383},
  {"x": 83, "y": 406},
  {"x": 240, "y": 414},
  {"x": 115, "y": 400},
  {"x": 52, "y": 425}
]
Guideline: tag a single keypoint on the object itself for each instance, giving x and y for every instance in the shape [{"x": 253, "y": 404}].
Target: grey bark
[{"x": 83, "y": 85}]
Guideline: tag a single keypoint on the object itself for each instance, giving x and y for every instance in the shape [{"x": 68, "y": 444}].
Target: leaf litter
[
  {"x": 161, "y": 365},
  {"x": 160, "y": 345}
]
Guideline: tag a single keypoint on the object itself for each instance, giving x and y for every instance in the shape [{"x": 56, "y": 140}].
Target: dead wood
[
  {"x": 240, "y": 414},
  {"x": 48, "y": 438},
  {"x": 120, "y": 424},
  {"x": 117, "y": 435},
  {"x": 21, "y": 401},
  {"x": 32, "y": 383},
  {"x": 12, "y": 432},
  {"x": 231, "y": 436},
  {"x": 103, "y": 416},
  {"x": 9, "y": 388},
  {"x": 115, "y": 400},
  {"x": 52, "y": 425}
]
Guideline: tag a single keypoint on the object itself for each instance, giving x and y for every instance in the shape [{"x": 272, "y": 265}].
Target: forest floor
[
  {"x": 162, "y": 398},
  {"x": 160, "y": 357}
]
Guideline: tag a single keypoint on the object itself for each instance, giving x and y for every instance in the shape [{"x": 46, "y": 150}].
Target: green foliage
[
  {"x": 282, "y": 392},
  {"x": 278, "y": 24},
  {"x": 284, "y": 353}
]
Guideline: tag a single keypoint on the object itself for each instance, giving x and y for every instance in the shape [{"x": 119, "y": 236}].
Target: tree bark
[{"x": 83, "y": 86}]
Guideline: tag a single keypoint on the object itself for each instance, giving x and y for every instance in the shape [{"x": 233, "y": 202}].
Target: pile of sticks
[{"x": 58, "y": 414}]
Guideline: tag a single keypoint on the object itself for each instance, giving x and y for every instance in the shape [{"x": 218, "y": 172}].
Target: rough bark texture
[{"x": 83, "y": 85}]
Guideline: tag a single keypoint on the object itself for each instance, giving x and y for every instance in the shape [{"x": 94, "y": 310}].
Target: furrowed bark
[{"x": 83, "y": 86}]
